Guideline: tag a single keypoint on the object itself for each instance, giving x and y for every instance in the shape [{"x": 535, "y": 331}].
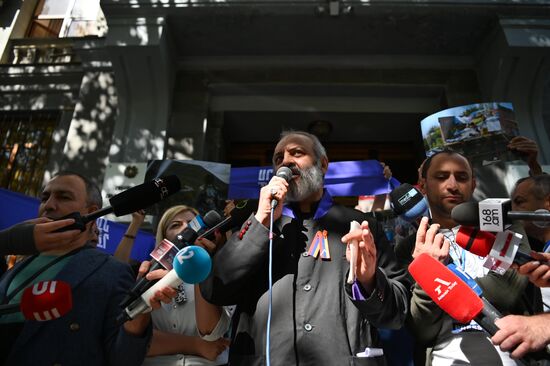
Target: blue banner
[
  {"x": 343, "y": 178},
  {"x": 18, "y": 207}
]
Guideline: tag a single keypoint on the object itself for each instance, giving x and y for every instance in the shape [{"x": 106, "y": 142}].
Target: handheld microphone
[
  {"x": 131, "y": 200},
  {"x": 493, "y": 214},
  {"x": 192, "y": 265},
  {"x": 242, "y": 211},
  {"x": 46, "y": 300},
  {"x": 500, "y": 247},
  {"x": 164, "y": 252},
  {"x": 454, "y": 296},
  {"x": 285, "y": 173},
  {"x": 408, "y": 202}
]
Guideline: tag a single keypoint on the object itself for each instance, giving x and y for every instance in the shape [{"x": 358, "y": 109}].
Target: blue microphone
[{"x": 408, "y": 202}]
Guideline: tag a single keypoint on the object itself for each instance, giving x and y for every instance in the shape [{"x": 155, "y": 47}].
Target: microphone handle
[
  {"x": 528, "y": 216},
  {"x": 81, "y": 221},
  {"x": 487, "y": 317},
  {"x": 94, "y": 215},
  {"x": 209, "y": 234},
  {"x": 142, "y": 285}
]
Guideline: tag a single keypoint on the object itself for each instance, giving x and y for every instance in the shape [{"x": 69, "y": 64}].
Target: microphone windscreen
[
  {"x": 285, "y": 173},
  {"x": 192, "y": 264},
  {"x": 144, "y": 195},
  {"x": 446, "y": 289},
  {"x": 475, "y": 241},
  {"x": 404, "y": 198},
  {"x": 212, "y": 218},
  {"x": 466, "y": 213},
  {"x": 420, "y": 209},
  {"x": 46, "y": 300}
]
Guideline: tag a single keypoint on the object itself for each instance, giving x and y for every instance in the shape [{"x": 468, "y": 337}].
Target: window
[
  {"x": 67, "y": 18},
  {"x": 25, "y": 143}
]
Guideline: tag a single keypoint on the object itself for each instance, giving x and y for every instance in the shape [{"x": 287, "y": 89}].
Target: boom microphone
[
  {"x": 192, "y": 265},
  {"x": 285, "y": 173},
  {"x": 165, "y": 250},
  {"x": 46, "y": 300},
  {"x": 128, "y": 201},
  {"x": 408, "y": 202}
]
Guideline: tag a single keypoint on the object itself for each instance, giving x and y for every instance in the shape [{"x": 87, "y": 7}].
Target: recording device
[
  {"x": 163, "y": 255},
  {"x": 46, "y": 300},
  {"x": 128, "y": 201},
  {"x": 493, "y": 214},
  {"x": 192, "y": 265},
  {"x": 501, "y": 249},
  {"x": 285, "y": 173},
  {"x": 408, "y": 202}
]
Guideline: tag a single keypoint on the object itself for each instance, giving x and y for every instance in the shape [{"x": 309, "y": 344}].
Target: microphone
[
  {"x": 503, "y": 248},
  {"x": 285, "y": 173},
  {"x": 493, "y": 214},
  {"x": 163, "y": 255},
  {"x": 454, "y": 296},
  {"x": 46, "y": 300},
  {"x": 192, "y": 265},
  {"x": 242, "y": 211},
  {"x": 408, "y": 202},
  {"x": 128, "y": 201}
]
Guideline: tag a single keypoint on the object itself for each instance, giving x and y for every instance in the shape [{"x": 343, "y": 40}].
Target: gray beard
[{"x": 311, "y": 181}]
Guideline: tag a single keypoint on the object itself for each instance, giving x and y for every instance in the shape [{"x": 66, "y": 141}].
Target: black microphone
[
  {"x": 495, "y": 214},
  {"x": 128, "y": 201},
  {"x": 408, "y": 202},
  {"x": 186, "y": 237},
  {"x": 285, "y": 173},
  {"x": 242, "y": 211}
]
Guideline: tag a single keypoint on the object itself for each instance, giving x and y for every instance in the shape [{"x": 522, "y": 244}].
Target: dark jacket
[{"x": 314, "y": 321}]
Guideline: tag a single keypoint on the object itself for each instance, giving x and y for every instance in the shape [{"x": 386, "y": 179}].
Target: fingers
[
  {"x": 206, "y": 244},
  {"x": 143, "y": 268},
  {"x": 156, "y": 274},
  {"x": 431, "y": 233},
  {"x": 421, "y": 232},
  {"x": 165, "y": 295}
]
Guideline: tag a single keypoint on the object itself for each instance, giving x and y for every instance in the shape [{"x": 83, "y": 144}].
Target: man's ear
[
  {"x": 324, "y": 164},
  {"x": 547, "y": 202},
  {"x": 474, "y": 184},
  {"x": 92, "y": 208},
  {"x": 422, "y": 185}
]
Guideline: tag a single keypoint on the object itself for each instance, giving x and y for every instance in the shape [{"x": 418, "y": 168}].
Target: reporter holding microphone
[{"x": 88, "y": 333}]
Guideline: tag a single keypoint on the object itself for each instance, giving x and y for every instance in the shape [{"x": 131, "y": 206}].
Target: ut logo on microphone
[{"x": 41, "y": 287}]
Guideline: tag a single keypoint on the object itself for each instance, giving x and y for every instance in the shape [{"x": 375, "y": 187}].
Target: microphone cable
[{"x": 270, "y": 286}]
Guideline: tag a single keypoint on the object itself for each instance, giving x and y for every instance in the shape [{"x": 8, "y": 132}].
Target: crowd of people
[{"x": 280, "y": 290}]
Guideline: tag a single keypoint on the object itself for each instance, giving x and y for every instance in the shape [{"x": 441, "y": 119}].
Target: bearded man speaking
[{"x": 317, "y": 317}]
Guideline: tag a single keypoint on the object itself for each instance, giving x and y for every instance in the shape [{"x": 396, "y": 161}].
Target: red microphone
[
  {"x": 446, "y": 289},
  {"x": 481, "y": 242},
  {"x": 46, "y": 300}
]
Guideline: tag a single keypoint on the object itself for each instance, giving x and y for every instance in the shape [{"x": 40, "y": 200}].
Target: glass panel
[
  {"x": 55, "y": 8},
  {"x": 85, "y": 9}
]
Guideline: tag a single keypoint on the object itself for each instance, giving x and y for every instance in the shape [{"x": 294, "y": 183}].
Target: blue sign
[{"x": 343, "y": 178}]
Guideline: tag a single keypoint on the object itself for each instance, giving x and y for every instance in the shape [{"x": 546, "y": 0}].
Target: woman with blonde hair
[{"x": 189, "y": 331}]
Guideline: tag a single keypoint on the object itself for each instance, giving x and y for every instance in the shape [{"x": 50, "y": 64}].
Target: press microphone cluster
[
  {"x": 493, "y": 214},
  {"x": 192, "y": 265},
  {"x": 131, "y": 200},
  {"x": 163, "y": 255},
  {"x": 43, "y": 301}
]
